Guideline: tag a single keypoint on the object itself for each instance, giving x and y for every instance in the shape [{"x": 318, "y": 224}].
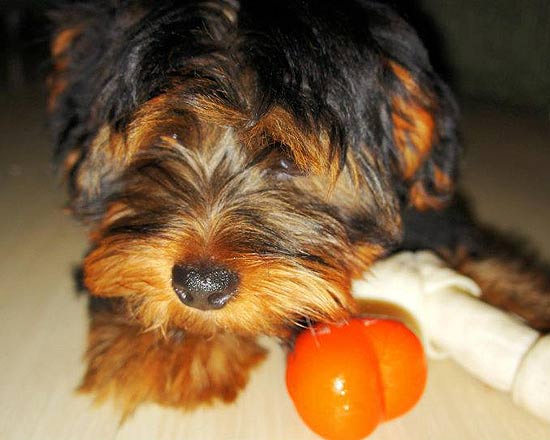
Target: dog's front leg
[{"x": 177, "y": 369}]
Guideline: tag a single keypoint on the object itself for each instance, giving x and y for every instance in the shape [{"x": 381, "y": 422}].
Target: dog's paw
[{"x": 179, "y": 370}]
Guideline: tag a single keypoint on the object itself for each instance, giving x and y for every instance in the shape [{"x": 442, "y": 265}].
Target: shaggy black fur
[{"x": 324, "y": 61}]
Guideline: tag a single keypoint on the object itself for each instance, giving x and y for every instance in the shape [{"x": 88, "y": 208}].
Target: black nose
[{"x": 204, "y": 287}]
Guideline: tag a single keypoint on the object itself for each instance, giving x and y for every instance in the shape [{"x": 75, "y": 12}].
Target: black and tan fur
[{"x": 288, "y": 144}]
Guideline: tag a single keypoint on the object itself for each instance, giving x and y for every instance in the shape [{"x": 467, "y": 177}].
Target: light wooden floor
[{"x": 42, "y": 322}]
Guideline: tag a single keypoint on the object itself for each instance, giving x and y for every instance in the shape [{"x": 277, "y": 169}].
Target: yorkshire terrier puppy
[{"x": 238, "y": 163}]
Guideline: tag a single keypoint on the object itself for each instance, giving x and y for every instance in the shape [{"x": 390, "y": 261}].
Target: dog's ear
[
  {"x": 420, "y": 116},
  {"x": 422, "y": 125},
  {"x": 89, "y": 149}
]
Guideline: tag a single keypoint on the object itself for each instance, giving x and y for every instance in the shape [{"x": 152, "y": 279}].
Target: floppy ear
[
  {"x": 70, "y": 101},
  {"x": 88, "y": 148},
  {"x": 423, "y": 128}
]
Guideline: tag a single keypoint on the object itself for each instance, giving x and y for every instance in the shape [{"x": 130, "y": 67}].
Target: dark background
[{"x": 496, "y": 51}]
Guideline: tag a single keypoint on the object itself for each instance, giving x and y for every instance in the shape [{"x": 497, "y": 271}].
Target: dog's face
[{"x": 239, "y": 165}]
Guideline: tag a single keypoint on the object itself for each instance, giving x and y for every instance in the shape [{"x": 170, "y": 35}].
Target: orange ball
[
  {"x": 333, "y": 379},
  {"x": 346, "y": 379}
]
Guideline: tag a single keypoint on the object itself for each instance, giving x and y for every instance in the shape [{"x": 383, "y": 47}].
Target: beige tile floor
[{"x": 43, "y": 323}]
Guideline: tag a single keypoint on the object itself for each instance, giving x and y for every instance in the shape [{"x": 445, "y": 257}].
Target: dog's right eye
[
  {"x": 283, "y": 166},
  {"x": 287, "y": 168}
]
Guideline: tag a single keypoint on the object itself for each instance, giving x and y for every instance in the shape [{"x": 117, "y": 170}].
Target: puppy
[{"x": 238, "y": 164}]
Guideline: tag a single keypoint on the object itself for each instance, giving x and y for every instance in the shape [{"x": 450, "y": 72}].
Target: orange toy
[{"x": 346, "y": 379}]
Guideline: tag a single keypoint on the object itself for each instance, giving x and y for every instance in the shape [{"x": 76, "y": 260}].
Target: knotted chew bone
[{"x": 494, "y": 346}]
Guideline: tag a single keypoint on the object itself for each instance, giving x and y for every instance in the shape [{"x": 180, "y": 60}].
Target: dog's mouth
[{"x": 263, "y": 297}]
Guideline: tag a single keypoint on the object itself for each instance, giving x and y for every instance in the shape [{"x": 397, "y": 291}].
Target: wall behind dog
[{"x": 497, "y": 50}]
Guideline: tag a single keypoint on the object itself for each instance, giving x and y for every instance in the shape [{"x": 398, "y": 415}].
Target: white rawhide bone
[{"x": 493, "y": 345}]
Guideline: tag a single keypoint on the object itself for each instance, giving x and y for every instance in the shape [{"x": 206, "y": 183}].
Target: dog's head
[{"x": 239, "y": 163}]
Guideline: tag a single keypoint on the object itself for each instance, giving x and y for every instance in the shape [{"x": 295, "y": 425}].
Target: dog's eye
[
  {"x": 288, "y": 167},
  {"x": 283, "y": 165}
]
